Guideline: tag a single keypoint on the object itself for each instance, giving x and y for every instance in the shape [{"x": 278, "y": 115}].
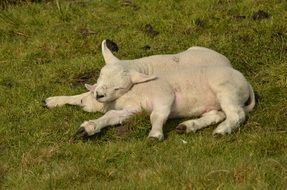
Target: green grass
[{"x": 45, "y": 51}]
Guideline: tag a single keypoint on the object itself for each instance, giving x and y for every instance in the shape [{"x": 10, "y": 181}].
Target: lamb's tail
[{"x": 250, "y": 103}]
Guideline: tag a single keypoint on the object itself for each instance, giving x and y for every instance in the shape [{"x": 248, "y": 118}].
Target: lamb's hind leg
[
  {"x": 235, "y": 115},
  {"x": 207, "y": 119},
  {"x": 84, "y": 100}
]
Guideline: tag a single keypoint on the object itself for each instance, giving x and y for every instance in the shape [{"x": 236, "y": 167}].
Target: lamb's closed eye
[{"x": 118, "y": 88}]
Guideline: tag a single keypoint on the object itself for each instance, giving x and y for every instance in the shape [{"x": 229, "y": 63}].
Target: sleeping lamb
[{"x": 211, "y": 91}]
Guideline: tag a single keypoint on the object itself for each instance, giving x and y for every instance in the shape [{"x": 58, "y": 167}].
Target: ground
[{"x": 53, "y": 48}]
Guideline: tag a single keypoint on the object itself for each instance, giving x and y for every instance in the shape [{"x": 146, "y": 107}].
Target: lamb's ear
[
  {"x": 137, "y": 77},
  {"x": 108, "y": 55},
  {"x": 90, "y": 88}
]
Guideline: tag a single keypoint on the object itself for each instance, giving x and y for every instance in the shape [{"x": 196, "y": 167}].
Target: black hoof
[
  {"x": 153, "y": 141},
  {"x": 180, "y": 129},
  {"x": 81, "y": 133},
  {"x": 217, "y": 135},
  {"x": 44, "y": 105}
]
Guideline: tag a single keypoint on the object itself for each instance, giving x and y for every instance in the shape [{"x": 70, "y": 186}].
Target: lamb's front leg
[
  {"x": 112, "y": 117},
  {"x": 85, "y": 100},
  {"x": 158, "y": 118}
]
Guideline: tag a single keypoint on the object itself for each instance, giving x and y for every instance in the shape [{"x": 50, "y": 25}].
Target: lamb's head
[
  {"x": 116, "y": 78},
  {"x": 114, "y": 81}
]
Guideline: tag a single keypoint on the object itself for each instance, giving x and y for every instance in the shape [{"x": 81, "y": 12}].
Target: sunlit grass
[{"x": 53, "y": 47}]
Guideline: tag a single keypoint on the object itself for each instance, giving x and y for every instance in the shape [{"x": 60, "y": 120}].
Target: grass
[{"x": 53, "y": 47}]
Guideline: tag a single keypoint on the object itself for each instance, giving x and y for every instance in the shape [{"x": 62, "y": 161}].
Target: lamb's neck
[
  {"x": 153, "y": 64},
  {"x": 140, "y": 67}
]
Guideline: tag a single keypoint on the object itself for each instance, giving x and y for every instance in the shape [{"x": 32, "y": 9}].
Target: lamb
[
  {"x": 211, "y": 91},
  {"x": 194, "y": 56}
]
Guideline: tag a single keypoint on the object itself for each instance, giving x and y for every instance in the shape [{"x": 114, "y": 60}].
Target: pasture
[{"x": 52, "y": 48}]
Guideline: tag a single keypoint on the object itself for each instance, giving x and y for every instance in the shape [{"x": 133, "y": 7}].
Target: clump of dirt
[
  {"x": 259, "y": 15},
  {"x": 146, "y": 47},
  {"x": 121, "y": 131},
  {"x": 86, "y": 77},
  {"x": 86, "y": 32},
  {"x": 112, "y": 45},
  {"x": 189, "y": 31},
  {"x": 8, "y": 83},
  {"x": 199, "y": 22},
  {"x": 239, "y": 17},
  {"x": 129, "y": 3},
  {"x": 150, "y": 31}
]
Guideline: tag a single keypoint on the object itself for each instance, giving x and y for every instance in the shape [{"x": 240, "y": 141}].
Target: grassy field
[{"x": 52, "y": 48}]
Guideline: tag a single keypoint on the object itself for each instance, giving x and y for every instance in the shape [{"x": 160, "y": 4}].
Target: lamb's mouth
[
  {"x": 102, "y": 98},
  {"x": 99, "y": 96}
]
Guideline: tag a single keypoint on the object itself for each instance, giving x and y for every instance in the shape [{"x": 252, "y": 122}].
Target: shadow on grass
[
  {"x": 127, "y": 131},
  {"x": 139, "y": 126}
]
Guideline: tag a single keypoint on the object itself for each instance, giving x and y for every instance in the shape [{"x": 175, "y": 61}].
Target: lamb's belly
[{"x": 189, "y": 105}]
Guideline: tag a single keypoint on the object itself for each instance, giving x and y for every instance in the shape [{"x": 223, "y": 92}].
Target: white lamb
[{"x": 208, "y": 88}]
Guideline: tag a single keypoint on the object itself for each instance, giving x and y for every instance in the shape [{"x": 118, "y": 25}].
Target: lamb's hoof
[
  {"x": 153, "y": 140},
  {"x": 217, "y": 135},
  {"x": 81, "y": 133},
  {"x": 44, "y": 104},
  {"x": 155, "y": 136},
  {"x": 180, "y": 129},
  {"x": 221, "y": 131},
  {"x": 52, "y": 102}
]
